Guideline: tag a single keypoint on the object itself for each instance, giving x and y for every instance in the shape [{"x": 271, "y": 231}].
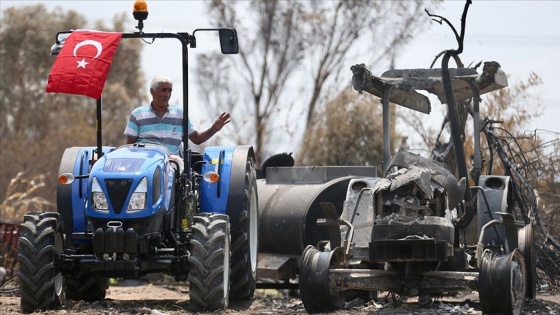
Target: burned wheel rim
[
  {"x": 502, "y": 282},
  {"x": 314, "y": 284}
]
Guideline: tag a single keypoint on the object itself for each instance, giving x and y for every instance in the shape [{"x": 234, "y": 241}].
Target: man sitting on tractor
[{"x": 163, "y": 124}]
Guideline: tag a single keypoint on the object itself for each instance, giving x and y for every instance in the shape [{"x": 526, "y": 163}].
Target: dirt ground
[{"x": 153, "y": 299}]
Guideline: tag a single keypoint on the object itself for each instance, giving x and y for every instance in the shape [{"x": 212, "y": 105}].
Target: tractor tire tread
[
  {"x": 36, "y": 256},
  {"x": 243, "y": 279},
  {"x": 208, "y": 247},
  {"x": 86, "y": 287}
]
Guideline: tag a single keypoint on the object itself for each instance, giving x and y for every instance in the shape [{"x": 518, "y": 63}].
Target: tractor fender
[
  {"x": 71, "y": 198},
  {"x": 226, "y": 195}
]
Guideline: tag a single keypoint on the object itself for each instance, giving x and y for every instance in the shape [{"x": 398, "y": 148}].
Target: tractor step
[{"x": 276, "y": 267}]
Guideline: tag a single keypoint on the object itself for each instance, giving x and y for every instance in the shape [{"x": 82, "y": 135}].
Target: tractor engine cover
[{"x": 132, "y": 185}]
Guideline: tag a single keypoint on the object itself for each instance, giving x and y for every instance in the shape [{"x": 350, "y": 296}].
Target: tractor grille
[
  {"x": 118, "y": 191},
  {"x": 115, "y": 241}
]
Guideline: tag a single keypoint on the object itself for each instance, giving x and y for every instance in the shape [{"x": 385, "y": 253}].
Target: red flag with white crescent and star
[{"x": 83, "y": 63}]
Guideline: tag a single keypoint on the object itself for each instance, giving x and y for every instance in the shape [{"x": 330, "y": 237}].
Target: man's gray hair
[{"x": 156, "y": 81}]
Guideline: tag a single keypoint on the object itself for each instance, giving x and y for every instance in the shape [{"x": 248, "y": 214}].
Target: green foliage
[{"x": 36, "y": 127}]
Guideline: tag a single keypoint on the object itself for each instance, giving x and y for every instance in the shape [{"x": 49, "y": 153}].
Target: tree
[
  {"x": 348, "y": 132},
  {"x": 35, "y": 126},
  {"x": 293, "y": 54}
]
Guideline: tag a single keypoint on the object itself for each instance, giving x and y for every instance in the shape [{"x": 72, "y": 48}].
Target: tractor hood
[
  {"x": 132, "y": 159},
  {"x": 131, "y": 182}
]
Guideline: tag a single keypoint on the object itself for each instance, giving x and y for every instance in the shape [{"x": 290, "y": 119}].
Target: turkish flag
[{"x": 83, "y": 63}]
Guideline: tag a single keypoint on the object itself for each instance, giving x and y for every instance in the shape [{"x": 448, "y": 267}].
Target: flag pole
[{"x": 98, "y": 127}]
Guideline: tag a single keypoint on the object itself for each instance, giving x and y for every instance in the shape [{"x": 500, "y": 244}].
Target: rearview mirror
[
  {"x": 228, "y": 41},
  {"x": 60, "y": 39}
]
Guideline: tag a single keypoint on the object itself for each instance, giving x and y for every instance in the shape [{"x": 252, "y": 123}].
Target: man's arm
[
  {"x": 131, "y": 129},
  {"x": 200, "y": 137}
]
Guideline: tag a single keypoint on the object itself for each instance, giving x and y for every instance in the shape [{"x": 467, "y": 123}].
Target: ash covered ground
[{"x": 173, "y": 299}]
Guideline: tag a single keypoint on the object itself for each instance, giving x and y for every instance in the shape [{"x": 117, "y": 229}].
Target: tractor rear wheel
[
  {"x": 39, "y": 249},
  {"x": 314, "y": 281},
  {"x": 244, "y": 225},
  {"x": 85, "y": 286},
  {"x": 209, "y": 262}
]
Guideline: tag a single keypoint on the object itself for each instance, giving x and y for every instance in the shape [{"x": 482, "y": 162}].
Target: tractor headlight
[
  {"x": 138, "y": 198},
  {"x": 98, "y": 198}
]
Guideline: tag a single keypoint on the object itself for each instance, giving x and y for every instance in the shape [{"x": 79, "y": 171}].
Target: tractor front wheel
[
  {"x": 209, "y": 262},
  {"x": 39, "y": 250},
  {"x": 244, "y": 235},
  {"x": 85, "y": 286}
]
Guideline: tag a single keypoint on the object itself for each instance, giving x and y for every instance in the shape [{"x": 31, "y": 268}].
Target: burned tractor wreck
[
  {"x": 426, "y": 228},
  {"x": 421, "y": 229}
]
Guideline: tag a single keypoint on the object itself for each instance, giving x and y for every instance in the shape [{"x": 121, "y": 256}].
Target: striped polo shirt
[{"x": 145, "y": 125}]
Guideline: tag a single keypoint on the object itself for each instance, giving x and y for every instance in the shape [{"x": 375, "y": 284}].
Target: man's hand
[
  {"x": 221, "y": 122},
  {"x": 200, "y": 137}
]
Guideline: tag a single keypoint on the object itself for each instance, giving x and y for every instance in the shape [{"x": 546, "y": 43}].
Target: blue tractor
[{"x": 125, "y": 212}]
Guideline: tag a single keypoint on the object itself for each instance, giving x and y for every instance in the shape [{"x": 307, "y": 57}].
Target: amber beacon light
[{"x": 140, "y": 12}]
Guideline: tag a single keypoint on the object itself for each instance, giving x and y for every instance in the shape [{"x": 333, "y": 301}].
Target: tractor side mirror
[
  {"x": 228, "y": 41},
  {"x": 60, "y": 39}
]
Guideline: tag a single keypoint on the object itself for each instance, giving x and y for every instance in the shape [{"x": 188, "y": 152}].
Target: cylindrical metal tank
[{"x": 289, "y": 213}]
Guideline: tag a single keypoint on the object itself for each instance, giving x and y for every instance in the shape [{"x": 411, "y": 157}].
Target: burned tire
[
  {"x": 502, "y": 283},
  {"x": 209, "y": 262},
  {"x": 526, "y": 242},
  {"x": 314, "y": 281},
  {"x": 244, "y": 225},
  {"x": 85, "y": 286},
  {"x": 40, "y": 246}
]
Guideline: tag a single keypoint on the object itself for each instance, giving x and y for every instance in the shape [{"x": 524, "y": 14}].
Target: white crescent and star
[{"x": 82, "y": 63}]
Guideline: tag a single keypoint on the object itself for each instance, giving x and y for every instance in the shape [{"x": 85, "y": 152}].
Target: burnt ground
[{"x": 158, "y": 299}]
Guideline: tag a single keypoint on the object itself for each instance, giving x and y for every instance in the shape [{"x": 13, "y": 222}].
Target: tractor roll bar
[{"x": 228, "y": 44}]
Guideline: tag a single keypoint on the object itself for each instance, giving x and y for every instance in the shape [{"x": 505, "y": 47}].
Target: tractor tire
[
  {"x": 526, "y": 242},
  {"x": 244, "y": 238},
  {"x": 209, "y": 262},
  {"x": 41, "y": 243},
  {"x": 85, "y": 286}
]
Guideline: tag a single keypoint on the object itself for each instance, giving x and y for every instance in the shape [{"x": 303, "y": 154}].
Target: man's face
[{"x": 161, "y": 95}]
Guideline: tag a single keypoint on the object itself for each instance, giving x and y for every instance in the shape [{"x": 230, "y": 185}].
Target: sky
[{"x": 523, "y": 36}]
